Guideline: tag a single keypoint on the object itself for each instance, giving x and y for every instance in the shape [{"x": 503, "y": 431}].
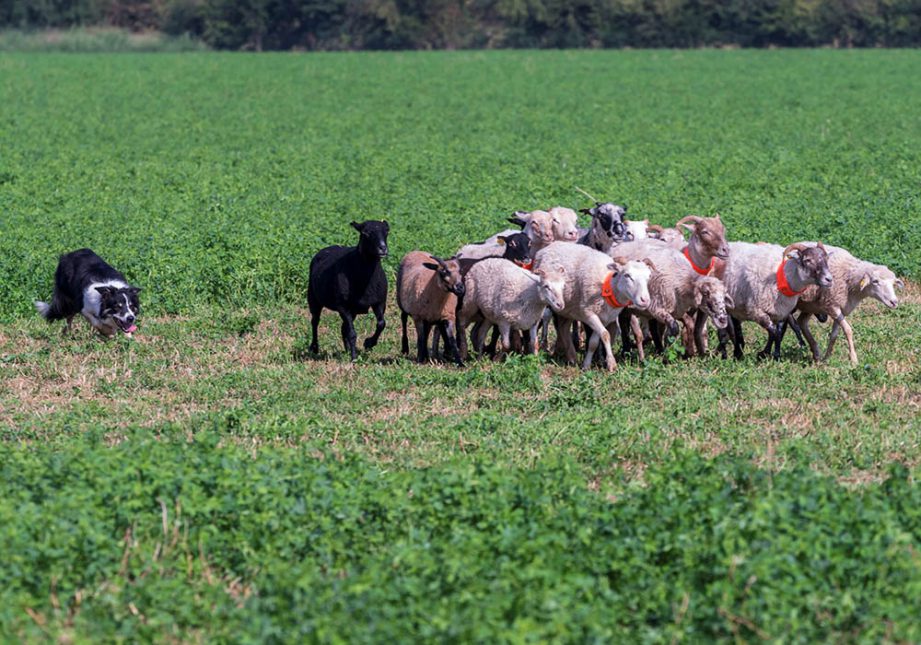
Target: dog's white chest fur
[{"x": 92, "y": 301}]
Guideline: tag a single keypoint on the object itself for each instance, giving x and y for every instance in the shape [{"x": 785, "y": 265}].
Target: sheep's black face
[
  {"x": 814, "y": 265},
  {"x": 372, "y": 241},
  {"x": 518, "y": 248},
  {"x": 610, "y": 218}
]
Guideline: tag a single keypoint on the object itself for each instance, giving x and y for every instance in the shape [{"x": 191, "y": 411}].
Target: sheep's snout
[
  {"x": 721, "y": 321},
  {"x": 459, "y": 289},
  {"x": 825, "y": 279},
  {"x": 643, "y": 301}
]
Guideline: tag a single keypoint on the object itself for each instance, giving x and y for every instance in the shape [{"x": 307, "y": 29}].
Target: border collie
[{"x": 85, "y": 284}]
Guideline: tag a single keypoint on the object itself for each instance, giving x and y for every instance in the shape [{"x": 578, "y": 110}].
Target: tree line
[{"x": 462, "y": 24}]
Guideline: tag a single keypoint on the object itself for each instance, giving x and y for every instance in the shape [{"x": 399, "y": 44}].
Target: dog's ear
[
  {"x": 134, "y": 290},
  {"x": 105, "y": 292}
]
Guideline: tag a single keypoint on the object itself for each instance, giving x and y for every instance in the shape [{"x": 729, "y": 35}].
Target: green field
[{"x": 211, "y": 481}]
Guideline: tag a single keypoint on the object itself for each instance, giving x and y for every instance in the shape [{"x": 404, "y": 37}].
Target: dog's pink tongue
[{"x": 132, "y": 329}]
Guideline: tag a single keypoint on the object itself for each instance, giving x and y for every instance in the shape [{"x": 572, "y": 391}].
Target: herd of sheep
[{"x": 645, "y": 281}]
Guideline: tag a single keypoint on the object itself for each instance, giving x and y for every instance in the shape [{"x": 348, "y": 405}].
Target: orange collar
[
  {"x": 526, "y": 267},
  {"x": 687, "y": 254},
  {"x": 782, "y": 285},
  {"x": 607, "y": 292}
]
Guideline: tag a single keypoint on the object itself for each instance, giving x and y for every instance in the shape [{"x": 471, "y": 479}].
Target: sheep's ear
[
  {"x": 729, "y": 301},
  {"x": 386, "y": 224},
  {"x": 517, "y": 221},
  {"x": 650, "y": 264},
  {"x": 864, "y": 281},
  {"x": 540, "y": 273},
  {"x": 586, "y": 211},
  {"x": 357, "y": 226},
  {"x": 431, "y": 265},
  {"x": 698, "y": 295},
  {"x": 899, "y": 284},
  {"x": 501, "y": 240}
]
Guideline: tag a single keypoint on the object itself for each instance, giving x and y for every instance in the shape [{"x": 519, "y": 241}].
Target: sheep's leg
[
  {"x": 404, "y": 339},
  {"x": 576, "y": 336},
  {"x": 690, "y": 336},
  {"x": 770, "y": 342},
  {"x": 656, "y": 332},
  {"x": 625, "y": 318},
  {"x": 771, "y": 329},
  {"x": 422, "y": 339},
  {"x": 493, "y": 341},
  {"x": 594, "y": 322},
  {"x": 447, "y": 330},
  {"x": 849, "y": 336},
  {"x": 69, "y": 322},
  {"x": 564, "y": 340},
  {"x": 545, "y": 319},
  {"x": 832, "y": 337},
  {"x": 480, "y": 330},
  {"x": 638, "y": 334},
  {"x": 436, "y": 342},
  {"x": 700, "y": 332},
  {"x": 738, "y": 340},
  {"x": 461, "y": 338},
  {"x": 532, "y": 340},
  {"x": 505, "y": 330},
  {"x": 813, "y": 345},
  {"x": 791, "y": 321},
  {"x": 378, "y": 310},
  {"x": 314, "y": 326},
  {"x": 349, "y": 337}
]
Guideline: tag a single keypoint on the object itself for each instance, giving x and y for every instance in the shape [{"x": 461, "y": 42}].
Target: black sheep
[{"x": 350, "y": 280}]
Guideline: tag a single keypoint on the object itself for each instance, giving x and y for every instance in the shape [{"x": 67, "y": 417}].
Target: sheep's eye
[{"x": 875, "y": 281}]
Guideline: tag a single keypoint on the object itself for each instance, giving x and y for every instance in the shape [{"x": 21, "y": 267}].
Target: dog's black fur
[{"x": 86, "y": 284}]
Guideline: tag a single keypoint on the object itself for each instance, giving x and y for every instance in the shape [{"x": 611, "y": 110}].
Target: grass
[{"x": 210, "y": 179}]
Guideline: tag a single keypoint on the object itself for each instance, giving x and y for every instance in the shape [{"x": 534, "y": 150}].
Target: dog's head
[{"x": 119, "y": 305}]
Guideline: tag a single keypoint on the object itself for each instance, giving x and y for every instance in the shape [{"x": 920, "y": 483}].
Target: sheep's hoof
[
  {"x": 314, "y": 348},
  {"x": 673, "y": 329}
]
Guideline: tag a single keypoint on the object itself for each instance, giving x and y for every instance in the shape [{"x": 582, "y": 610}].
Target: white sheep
[
  {"x": 510, "y": 297},
  {"x": 595, "y": 292},
  {"x": 671, "y": 236},
  {"x": 637, "y": 229},
  {"x": 854, "y": 280},
  {"x": 765, "y": 282},
  {"x": 565, "y": 224},
  {"x": 537, "y": 225},
  {"x": 427, "y": 289},
  {"x": 675, "y": 291}
]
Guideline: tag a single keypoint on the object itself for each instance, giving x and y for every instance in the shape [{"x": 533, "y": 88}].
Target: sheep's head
[
  {"x": 608, "y": 218},
  {"x": 633, "y": 278},
  {"x": 708, "y": 235},
  {"x": 710, "y": 296},
  {"x": 372, "y": 239},
  {"x": 879, "y": 282},
  {"x": 447, "y": 274},
  {"x": 539, "y": 228},
  {"x": 551, "y": 288},
  {"x": 637, "y": 229},
  {"x": 517, "y": 248},
  {"x": 811, "y": 263},
  {"x": 565, "y": 222}
]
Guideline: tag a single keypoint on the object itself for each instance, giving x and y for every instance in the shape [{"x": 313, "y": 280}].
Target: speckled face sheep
[
  {"x": 765, "y": 282},
  {"x": 607, "y": 228},
  {"x": 854, "y": 281}
]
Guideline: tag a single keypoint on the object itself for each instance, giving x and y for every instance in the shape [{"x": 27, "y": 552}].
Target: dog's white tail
[{"x": 43, "y": 308}]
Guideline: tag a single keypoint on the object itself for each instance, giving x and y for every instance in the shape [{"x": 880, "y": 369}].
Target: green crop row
[
  {"x": 212, "y": 178},
  {"x": 179, "y": 539}
]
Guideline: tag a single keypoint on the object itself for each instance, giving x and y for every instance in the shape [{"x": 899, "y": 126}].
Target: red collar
[
  {"x": 526, "y": 267},
  {"x": 607, "y": 292},
  {"x": 687, "y": 254},
  {"x": 782, "y": 285}
]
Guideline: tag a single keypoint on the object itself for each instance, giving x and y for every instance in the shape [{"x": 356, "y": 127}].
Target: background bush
[{"x": 452, "y": 24}]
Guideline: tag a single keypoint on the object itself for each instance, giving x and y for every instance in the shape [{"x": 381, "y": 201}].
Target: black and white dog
[{"x": 85, "y": 284}]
